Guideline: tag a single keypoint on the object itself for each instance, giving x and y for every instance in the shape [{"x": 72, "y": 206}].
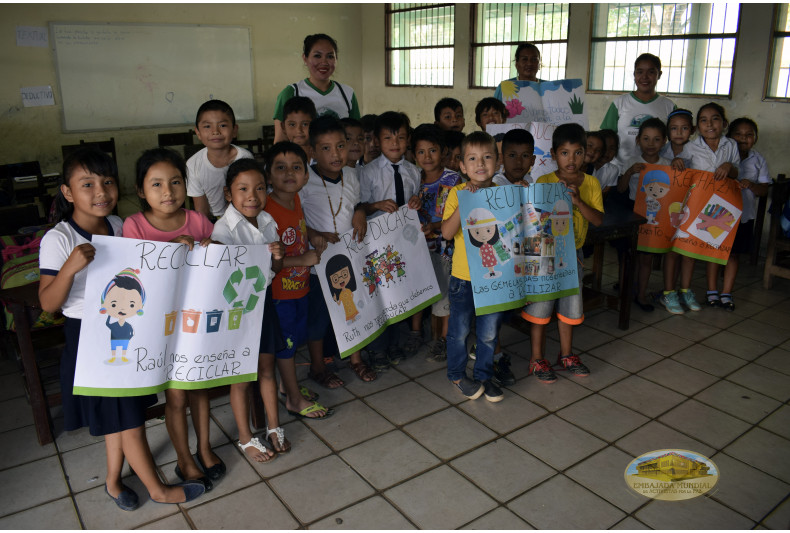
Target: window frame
[
  {"x": 388, "y": 11},
  {"x": 473, "y": 45},
  {"x": 689, "y": 36},
  {"x": 771, "y": 56}
]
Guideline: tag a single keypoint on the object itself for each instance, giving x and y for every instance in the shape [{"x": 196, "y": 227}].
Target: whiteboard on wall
[{"x": 115, "y": 76}]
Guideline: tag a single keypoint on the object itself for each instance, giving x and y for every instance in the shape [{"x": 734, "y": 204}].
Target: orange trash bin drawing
[{"x": 190, "y": 320}]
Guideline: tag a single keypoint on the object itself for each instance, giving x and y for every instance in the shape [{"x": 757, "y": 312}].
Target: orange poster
[{"x": 688, "y": 212}]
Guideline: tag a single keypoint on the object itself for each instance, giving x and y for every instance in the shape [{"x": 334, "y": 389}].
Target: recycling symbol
[{"x": 230, "y": 291}]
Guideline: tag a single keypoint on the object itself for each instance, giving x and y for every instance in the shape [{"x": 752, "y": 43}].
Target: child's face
[
  {"x": 393, "y": 143},
  {"x": 646, "y": 76},
  {"x": 122, "y": 303},
  {"x": 656, "y": 190},
  {"x": 745, "y": 136},
  {"x": 479, "y": 163},
  {"x": 247, "y": 193},
  {"x": 611, "y": 150},
  {"x": 164, "y": 188},
  {"x": 428, "y": 156},
  {"x": 517, "y": 160},
  {"x": 216, "y": 130},
  {"x": 288, "y": 173},
  {"x": 650, "y": 141},
  {"x": 483, "y": 234},
  {"x": 451, "y": 119},
  {"x": 330, "y": 153},
  {"x": 594, "y": 150},
  {"x": 91, "y": 194},
  {"x": 710, "y": 123},
  {"x": 680, "y": 129},
  {"x": 452, "y": 159},
  {"x": 340, "y": 278},
  {"x": 490, "y": 116},
  {"x": 355, "y": 141},
  {"x": 321, "y": 61},
  {"x": 527, "y": 64},
  {"x": 297, "y": 127},
  {"x": 372, "y": 150},
  {"x": 570, "y": 158}
]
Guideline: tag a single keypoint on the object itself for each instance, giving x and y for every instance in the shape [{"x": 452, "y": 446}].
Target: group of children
[{"x": 328, "y": 179}]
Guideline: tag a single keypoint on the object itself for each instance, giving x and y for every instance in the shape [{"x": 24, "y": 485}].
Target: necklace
[{"x": 326, "y": 190}]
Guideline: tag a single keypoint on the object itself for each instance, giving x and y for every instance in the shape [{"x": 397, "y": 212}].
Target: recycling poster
[{"x": 157, "y": 315}]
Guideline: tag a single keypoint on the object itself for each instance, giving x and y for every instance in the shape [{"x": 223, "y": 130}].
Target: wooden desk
[{"x": 618, "y": 223}]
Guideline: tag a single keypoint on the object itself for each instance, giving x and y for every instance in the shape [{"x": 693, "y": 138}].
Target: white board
[{"x": 113, "y": 76}]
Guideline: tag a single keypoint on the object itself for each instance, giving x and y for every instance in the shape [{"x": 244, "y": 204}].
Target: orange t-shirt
[{"x": 293, "y": 282}]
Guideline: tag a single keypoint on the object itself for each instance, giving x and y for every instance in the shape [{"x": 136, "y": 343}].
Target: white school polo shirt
[
  {"x": 754, "y": 168},
  {"x": 205, "y": 178},
  {"x": 701, "y": 157},
  {"x": 607, "y": 175},
  {"x": 377, "y": 181}
]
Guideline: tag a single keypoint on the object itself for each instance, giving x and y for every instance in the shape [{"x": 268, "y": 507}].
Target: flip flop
[
  {"x": 306, "y": 393},
  {"x": 315, "y": 406}
]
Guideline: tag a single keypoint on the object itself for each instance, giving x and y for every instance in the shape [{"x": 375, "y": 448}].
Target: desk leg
[
  {"x": 626, "y": 281},
  {"x": 38, "y": 402}
]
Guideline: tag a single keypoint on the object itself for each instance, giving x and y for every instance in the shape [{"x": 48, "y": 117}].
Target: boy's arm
[
  {"x": 451, "y": 225},
  {"x": 590, "y": 213},
  {"x": 201, "y": 205}
]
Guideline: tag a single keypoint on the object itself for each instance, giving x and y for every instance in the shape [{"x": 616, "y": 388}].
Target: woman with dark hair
[{"x": 527, "y": 60}]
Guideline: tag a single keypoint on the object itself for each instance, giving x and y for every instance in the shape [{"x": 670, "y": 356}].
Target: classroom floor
[{"x": 408, "y": 451}]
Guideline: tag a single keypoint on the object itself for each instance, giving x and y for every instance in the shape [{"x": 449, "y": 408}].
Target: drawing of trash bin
[
  {"x": 213, "y": 318},
  {"x": 234, "y": 317},
  {"x": 190, "y": 320},
  {"x": 170, "y": 322}
]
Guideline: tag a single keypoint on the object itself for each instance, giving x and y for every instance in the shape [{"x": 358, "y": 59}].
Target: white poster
[
  {"x": 541, "y": 132},
  {"x": 159, "y": 316},
  {"x": 37, "y": 96},
  {"x": 382, "y": 280},
  {"x": 35, "y": 36},
  {"x": 556, "y": 102}
]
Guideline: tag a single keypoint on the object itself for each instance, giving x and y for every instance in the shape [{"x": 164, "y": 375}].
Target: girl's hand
[
  {"x": 745, "y": 184},
  {"x": 205, "y": 242},
  {"x": 678, "y": 164},
  {"x": 79, "y": 258},
  {"x": 311, "y": 257},
  {"x": 523, "y": 183},
  {"x": 636, "y": 168},
  {"x": 360, "y": 223},
  {"x": 329, "y": 236},
  {"x": 471, "y": 187},
  {"x": 319, "y": 242},
  {"x": 414, "y": 202},
  {"x": 723, "y": 171},
  {"x": 388, "y": 206},
  {"x": 189, "y": 240},
  {"x": 277, "y": 249}
]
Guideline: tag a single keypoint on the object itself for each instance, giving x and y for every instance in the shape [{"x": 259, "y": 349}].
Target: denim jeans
[{"x": 462, "y": 312}]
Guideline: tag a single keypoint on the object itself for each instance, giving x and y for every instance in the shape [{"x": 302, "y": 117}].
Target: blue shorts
[
  {"x": 293, "y": 324},
  {"x": 570, "y": 309},
  {"x": 119, "y": 343}
]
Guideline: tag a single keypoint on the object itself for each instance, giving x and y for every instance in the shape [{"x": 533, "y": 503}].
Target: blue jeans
[{"x": 462, "y": 312}]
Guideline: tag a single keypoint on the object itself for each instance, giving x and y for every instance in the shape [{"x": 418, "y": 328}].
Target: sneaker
[
  {"x": 689, "y": 300},
  {"x": 378, "y": 360},
  {"x": 502, "y": 374},
  {"x": 671, "y": 302},
  {"x": 542, "y": 371},
  {"x": 573, "y": 364},
  {"x": 438, "y": 350},
  {"x": 395, "y": 355},
  {"x": 473, "y": 352},
  {"x": 492, "y": 392},
  {"x": 413, "y": 343},
  {"x": 470, "y": 388}
]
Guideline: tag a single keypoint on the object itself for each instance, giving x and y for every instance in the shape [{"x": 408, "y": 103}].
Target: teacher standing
[
  {"x": 330, "y": 97},
  {"x": 527, "y": 62}
]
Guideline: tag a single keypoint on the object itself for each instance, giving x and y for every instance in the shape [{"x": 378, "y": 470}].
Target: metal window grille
[
  {"x": 498, "y": 29},
  {"x": 696, "y": 44},
  {"x": 779, "y": 71},
  {"x": 419, "y": 44}
]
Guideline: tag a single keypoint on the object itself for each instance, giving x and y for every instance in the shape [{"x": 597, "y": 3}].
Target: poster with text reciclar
[
  {"x": 555, "y": 102},
  {"x": 382, "y": 280},
  {"x": 519, "y": 244},
  {"x": 688, "y": 212},
  {"x": 158, "y": 316}
]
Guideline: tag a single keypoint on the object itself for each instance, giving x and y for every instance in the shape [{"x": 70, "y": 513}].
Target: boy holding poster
[{"x": 567, "y": 149}]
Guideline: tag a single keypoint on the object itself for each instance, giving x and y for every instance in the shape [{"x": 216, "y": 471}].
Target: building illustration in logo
[{"x": 672, "y": 467}]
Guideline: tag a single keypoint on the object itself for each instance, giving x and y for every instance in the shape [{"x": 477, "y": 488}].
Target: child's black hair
[
  {"x": 609, "y": 134},
  {"x": 368, "y": 122},
  {"x": 598, "y": 135},
  {"x": 430, "y": 133},
  {"x": 215, "y": 105},
  {"x": 282, "y": 147},
  {"x": 716, "y": 107},
  {"x": 339, "y": 262},
  {"x": 453, "y": 139},
  {"x": 299, "y": 104},
  {"x": 151, "y": 157},
  {"x": 526, "y": 46},
  {"x": 655, "y": 123},
  {"x": 91, "y": 159},
  {"x": 391, "y": 121},
  {"x": 654, "y": 59},
  {"x": 323, "y": 125},
  {"x": 489, "y": 103},
  {"x": 681, "y": 113},
  {"x": 477, "y": 244},
  {"x": 349, "y": 122},
  {"x": 443, "y": 104},
  {"x": 740, "y": 121},
  {"x": 478, "y": 138},
  {"x": 517, "y": 136},
  {"x": 568, "y": 133},
  {"x": 242, "y": 165},
  {"x": 311, "y": 40}
]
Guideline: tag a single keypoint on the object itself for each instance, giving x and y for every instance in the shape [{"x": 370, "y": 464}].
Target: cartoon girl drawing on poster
[
  {"x": 655, "y": 186},
  {"x": 340, "y": 276},
  {"x": 122, "y": 299},
  {"x": 558, "y": 225},
  {"x": 484, "y": 234}
]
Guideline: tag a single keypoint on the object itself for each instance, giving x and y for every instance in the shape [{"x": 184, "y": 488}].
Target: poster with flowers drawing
[{"x": 555, "y": 102}]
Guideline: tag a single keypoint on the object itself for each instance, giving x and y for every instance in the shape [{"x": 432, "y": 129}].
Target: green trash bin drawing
[{"x": 234, "y": 317}]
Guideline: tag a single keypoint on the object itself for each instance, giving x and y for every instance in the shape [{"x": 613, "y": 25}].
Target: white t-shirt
[
  {"x": 321, "y": 198},
  {"x": 633, "y": 181},
  {"x": 607, "y": 175},
  {"x": 56, "y": 247},
  {"x": 377, "y": 181},
  {"x": 234, "y": 228},
  {"x": 701, "y": 157},
  {"x": 205, "y": 178},
  {"x": 754, "y": 168}
]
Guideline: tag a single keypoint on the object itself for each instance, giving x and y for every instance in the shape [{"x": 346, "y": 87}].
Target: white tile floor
[{"x": 408, "y": 451}]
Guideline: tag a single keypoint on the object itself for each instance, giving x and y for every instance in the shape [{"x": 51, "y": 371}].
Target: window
[
  {"x": 419, "y": 44},
  {"x": 696, "y": 44},
  {"x": 499, "y": 28},
  {"x": 779, "y": 78}
]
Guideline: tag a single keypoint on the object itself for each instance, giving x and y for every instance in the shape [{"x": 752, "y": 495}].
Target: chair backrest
[
  {"x": 185, "y": 140},
  {"x": 105, "y": 146},
  {"x": 21, "y": 182},
  {"x": 268, "y": 136},
  {"x": 253, "y": 145}
]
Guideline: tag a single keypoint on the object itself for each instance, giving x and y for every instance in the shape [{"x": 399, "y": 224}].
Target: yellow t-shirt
[
  {"x": 460, "y": 264},
  {"x": 590, "y": 193}
]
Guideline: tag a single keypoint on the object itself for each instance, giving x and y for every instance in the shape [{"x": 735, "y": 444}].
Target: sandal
[
  {"x": 255, "y": 443},
  {"x": 282, "y": 445},
  {"x": 363, "y": 372},
  {"x": 306, "y": 393},
  {"x": 315, "y": 406},
  {"x": 327, "y": 379}
]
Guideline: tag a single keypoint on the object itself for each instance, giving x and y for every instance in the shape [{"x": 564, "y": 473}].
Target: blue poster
[{"x": 519, "y": 245}]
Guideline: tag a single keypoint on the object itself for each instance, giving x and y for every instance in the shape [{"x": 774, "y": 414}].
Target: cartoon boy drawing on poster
[
  {"x": 558, "y": 224},
  {"x": 655, "y": 186},
  {"x": 484, "y": 234},
  {"x": 123, "y": 298},
  {"x": 340, "y": 275}
]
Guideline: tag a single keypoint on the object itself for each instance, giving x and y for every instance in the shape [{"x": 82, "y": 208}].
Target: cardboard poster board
[{"x": 555, "y": 102}]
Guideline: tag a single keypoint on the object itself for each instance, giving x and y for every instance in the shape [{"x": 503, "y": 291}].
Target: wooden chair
[
  {"x": 777, "y": 262},
  {"x": 759, "y": 223},
  {"x": 25, "y": 198},
  {"x": 253, "y": 145},
  {"x": 267, "y": 136},
  {"x": 184, "y": 140},
  {"x": 105, "y": 146}
]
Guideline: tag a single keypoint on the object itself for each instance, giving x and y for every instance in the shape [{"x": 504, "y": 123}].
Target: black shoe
[
  {"x": 378, "y": 361},
  {"x": 192, "y": 490},
  {"x": 126, "y": 500},
  {"x": 207, "y": 484},
  {"x": 470, "y": 388},
  {"x": 492, "y": 392},
  {"x": 215, "y": 472},
  {"x": 502, "y": 374}
]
